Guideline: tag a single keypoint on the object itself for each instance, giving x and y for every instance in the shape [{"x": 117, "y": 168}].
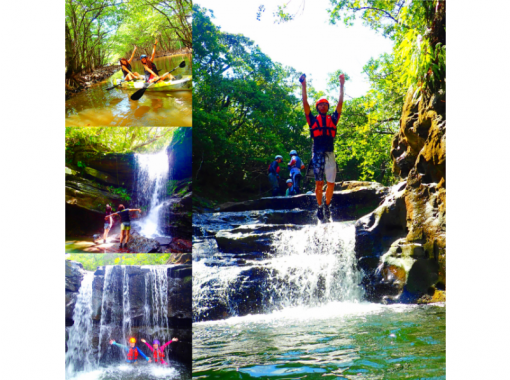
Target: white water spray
[
  {"x": 79, "y": 346},
  {"x": 150, "y": 184}
]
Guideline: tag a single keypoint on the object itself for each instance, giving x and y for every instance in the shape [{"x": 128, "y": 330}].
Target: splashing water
[
  {"x": 316, "y": 265},
  {"x": 79, "y": 352},
  {"x": 150, "y": 190},
  {"x": 90, "y": 355},
  {"x": 312, "y": 266}
]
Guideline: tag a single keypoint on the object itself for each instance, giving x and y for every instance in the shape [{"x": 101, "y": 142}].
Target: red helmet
[{"x": 321, "y": 100}]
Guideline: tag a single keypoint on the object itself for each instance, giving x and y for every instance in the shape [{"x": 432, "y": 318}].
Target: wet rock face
[
  {"x": 73, "y": 278},
  {"x": 347, "y": 204},
  {"x": 407, "y": 234},
  {"x": 250, "y": 238},
  {"x": 178, "y": 308},
  {"x": 143, "y": 244}
]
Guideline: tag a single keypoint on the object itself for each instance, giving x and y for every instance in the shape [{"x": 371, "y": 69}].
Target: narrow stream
[{"x": 98, "y": 107}]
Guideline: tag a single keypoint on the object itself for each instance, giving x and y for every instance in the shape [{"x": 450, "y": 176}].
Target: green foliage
[
  {"x": 417, "y": 29},
  {"x": 98, "y": 32},
  {"x": 120, "y": 191},
  {"x": 244, "y": 113},
  {"x": 90, "y": 262},
  {"x": 119, "y": 139}
]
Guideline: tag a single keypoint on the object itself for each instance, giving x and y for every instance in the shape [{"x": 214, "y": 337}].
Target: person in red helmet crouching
[
  {"x": 323, "y": 133},
  {"x": 132, "y": 351}
]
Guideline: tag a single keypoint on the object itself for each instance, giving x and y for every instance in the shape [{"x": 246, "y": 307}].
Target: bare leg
[
  {"x": 105, "y": 235},
  {"x": 122, "y": 236},
  {"x": 127, "y": 235},
  {"x": 167, "y": 75},
  {"x": 329, "y": 192},
  {"x": 318, "y": 191}
]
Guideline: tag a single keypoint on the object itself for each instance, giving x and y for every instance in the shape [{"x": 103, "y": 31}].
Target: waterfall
[
  {"x": 150, "y": 190},
  {"x": 311, "y": 266},
  {"x": 316, "y": 265},
  {"x": 133, "y": 302},
  {"x": 79, "y": 346}
]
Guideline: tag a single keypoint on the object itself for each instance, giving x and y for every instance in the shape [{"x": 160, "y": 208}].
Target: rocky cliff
[
  {"x": 402, "y": 244},
  {"x": 109, "y": 305}
]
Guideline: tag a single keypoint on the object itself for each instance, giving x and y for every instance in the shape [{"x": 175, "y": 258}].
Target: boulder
[
  {"x": 250, "y": 238},
  {"x": 345, "y": 205},
  {"x": 141, "y": 244}
]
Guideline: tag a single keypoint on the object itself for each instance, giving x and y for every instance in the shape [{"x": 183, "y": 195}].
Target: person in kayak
[
  {"x": 158, "y": 351},
  {"x": 108, "y": 224},
  {"x": 290, "y": 189},
  {"x": 295, "y": 165},
  {"x": 125, "y": 223},
  {"x": 323, "y": 132},
  {"x": 132, "y": 351},
  {"x": 125, "y": 66},
  {"x": 273, "y": 174},
  {"x": 150, "y": 70}
]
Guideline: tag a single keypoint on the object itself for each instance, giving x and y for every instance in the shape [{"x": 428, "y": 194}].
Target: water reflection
[{"x": 98, "y": 107}]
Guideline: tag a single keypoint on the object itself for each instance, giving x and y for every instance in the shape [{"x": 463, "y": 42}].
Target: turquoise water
[{"x": 335, "y": 341}]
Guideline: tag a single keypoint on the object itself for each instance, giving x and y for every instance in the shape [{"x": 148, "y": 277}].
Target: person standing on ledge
[
  {"x": 273, "y": 174},
  {"x": 323, "y": 132}
]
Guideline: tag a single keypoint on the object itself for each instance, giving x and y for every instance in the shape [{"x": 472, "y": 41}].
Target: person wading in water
[
  {"x": 125, "y": 223},
  {"x": 125, "y": 65},
  {"x": 132, "y": 351},
  {"x": 150, "y": 70},
  {"x": 323, "y": 132}
]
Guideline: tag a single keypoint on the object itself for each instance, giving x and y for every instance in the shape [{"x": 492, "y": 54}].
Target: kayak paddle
[{"x": 137, "y": 95}]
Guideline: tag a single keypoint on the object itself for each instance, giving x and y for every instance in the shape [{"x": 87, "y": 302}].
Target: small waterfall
[
  {"x": 155, "y": 316},
  {"x": 79, "y": 355},
  {"x": 316, "y": 265},
  {"x": 134, "y": 302},
  {"x": 311, "y": 266},
  {"x": 150, "y": 190}
]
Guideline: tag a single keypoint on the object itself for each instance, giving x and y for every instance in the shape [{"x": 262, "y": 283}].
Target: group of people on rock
[
  {"x": 322, "y": 132},
  {"x": 151, "y": 72},
  {"x": 158, "y": 350},
  {"x": 125, "y": 223},
  {"x": 295, "y": 166}
]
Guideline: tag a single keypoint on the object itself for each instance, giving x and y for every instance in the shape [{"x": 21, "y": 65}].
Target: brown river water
[{"x": 98, "y": 107}]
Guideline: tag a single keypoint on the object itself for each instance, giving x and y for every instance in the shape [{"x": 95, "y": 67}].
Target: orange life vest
[
  {"x": 132, "y": 354},
  {"x": 323, "y": 130},
  {"x": 158, "y": 355}
]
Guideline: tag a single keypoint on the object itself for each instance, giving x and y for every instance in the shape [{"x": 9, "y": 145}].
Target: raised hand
[
  {"x": 175, "y": 340},
  {"x": 112, "y": 341},
  {"x": 342, "y": 79},
  {"x": 302, "y": 78},
  {"x": 143, "y": 340}
]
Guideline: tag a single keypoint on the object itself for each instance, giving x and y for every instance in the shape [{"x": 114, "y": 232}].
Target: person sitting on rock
[
  {"x": 290, "y": 189},
  {"x": 274, "y": 176},
  {"x": 125, "y": 225},
  {"x": 125, "y": 66},
  {"x": 158, "y": 351},
  {"x": 323, "y": 132},
  {"x": 150, "y": 70},
  {"x": 108, "y": 224},
  {"x": 132, "y": 351},
  {"x": 295, "y": 165}
]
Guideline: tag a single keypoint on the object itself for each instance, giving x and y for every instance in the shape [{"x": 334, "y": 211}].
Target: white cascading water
[
  {"x": 115, "y": 317},
  {"x": 79, "y": 346},
  {"x": 150, "y": 188},
  {"x": 311, "y": 266},
  {"x": 317, "y": 265},
  {"x": 156, "y": 300}
]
